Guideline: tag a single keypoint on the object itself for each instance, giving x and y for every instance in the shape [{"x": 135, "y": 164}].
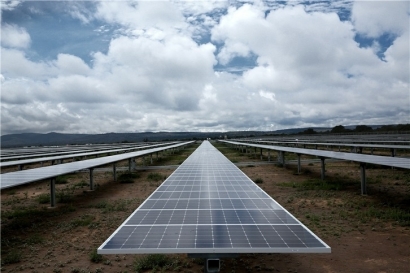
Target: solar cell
[{"x": 208, "y": 205}]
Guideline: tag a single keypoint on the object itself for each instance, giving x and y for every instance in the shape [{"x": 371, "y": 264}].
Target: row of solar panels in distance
[{"x": 202, "y": 236}]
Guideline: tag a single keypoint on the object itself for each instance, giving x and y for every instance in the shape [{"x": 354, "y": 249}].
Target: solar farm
[{"x": 242, "y": 205}]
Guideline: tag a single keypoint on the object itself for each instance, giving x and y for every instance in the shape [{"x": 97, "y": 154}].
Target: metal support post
[
  {"x": 21, "y": 167},
  {"x": 322, "y": 163},
  {"x": 151, "y": 158},
  {"x": 269, "y": 156},
  {"x": 298, "y": 163},
  {"x": 261, "y": 154},
  {"x": 53, "y": 192},
  {"x": 363, "y": 178},
  {"x": 133, "y": 164},
  {"x": 114, "y": 170},
  {"x": 91, "y": 179},
  {"x": 129, "y": 164},
  {"x": 393, "y": 152},
  {"x": 283, "y": 159}
]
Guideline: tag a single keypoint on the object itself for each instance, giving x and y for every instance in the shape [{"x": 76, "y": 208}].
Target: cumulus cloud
[
  {"x": 158, "y": 72},
  {"x": 14, "y": 36},
  {"x": 374, "y": 18}
]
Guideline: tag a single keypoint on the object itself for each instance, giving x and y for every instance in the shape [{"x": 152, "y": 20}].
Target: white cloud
[
  {"x": 14, "y": 63},
  {"x": 69, "y": 64},
  {"x": 14, "y": 36},
  {"x": 374, "y": 18},
  {"x": 155, "y": 75}
]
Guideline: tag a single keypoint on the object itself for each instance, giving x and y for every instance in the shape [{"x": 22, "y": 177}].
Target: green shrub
[
  {"x": 95, "y": 257},
  {"x": 128, "y": 177},
  {"x": 153, "y": 261},
  {"x": 62, "y": 179},
  {"x": 156, "y": 176},
  {"x": 43, "y": 198},
  {"x": 12, "y": 257},
  {"x": 258, "y": 181}
]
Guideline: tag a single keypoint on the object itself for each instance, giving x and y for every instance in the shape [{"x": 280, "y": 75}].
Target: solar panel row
[
  {"x": 399, "y": 162},
  {"x": 13, "y": 179},
  {"x": 209, "y": 206}
]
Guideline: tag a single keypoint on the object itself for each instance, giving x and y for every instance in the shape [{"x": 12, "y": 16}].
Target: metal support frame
[
  {"x": 53, "y": 192},
  {"x": 129, "y": 164},
  {"x": 151, "y": 158},
  {"x": 299, "y": 167},
  {"x": 114, "y": 170},
  {"x": 212, "y": 262},
  {"x": 283, "y": 159},
  {"x": 261, "y": 154},
  {"x": 269, "y": 155},
  {"x": 91, "y": 179},
  {"x": 363, "y": 178},
  {"x": 322, "y": 169}
]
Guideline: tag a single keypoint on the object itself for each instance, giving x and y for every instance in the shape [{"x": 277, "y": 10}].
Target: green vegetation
[
  {"x": 156, "y": 177},
  {"x": 95, "y": 257},
  {"x": 11, "y": 258},
  {"x": 161, "y": 262},
  {"x": 128, "y": 177},
  {"x": 83, "y": 221},
  {"x": 258, "y": 181},
  {"x": 117, "y": 205},
  {"x": 62, "y": 179}
]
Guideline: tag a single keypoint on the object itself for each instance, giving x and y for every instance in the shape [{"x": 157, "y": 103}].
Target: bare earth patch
[{"x": 366, "y": 233}]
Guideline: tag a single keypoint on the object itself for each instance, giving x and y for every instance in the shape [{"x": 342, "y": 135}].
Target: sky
[{"x": 136, "y": 66}]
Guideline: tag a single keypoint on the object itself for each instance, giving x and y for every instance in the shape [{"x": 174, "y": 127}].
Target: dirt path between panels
[{"x": 366, "y": 233}]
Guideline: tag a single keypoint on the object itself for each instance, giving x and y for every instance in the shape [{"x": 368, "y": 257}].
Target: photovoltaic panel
[
  {"x": 399, "y": 162},
  {"x": 13, "y": 179},
  {"x": 208, "y": 205}
]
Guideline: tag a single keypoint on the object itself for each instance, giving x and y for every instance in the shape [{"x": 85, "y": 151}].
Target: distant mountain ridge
[{"x": 50, "y": 139}]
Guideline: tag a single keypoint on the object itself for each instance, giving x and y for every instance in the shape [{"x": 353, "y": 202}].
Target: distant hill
[{"x": 50, "y": 139}]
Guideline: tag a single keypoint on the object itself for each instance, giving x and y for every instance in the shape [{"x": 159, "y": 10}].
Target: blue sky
[{"x": 133, "y": 66}]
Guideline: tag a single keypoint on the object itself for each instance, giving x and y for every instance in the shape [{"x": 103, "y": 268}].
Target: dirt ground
[{"x": 366, "y": 233}]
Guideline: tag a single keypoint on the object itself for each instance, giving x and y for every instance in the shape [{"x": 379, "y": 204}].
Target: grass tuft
[
  {"x": 95, "y": 257},
  {"x": 258, "y": 181},
  {"x": 128, "y": 177},
  {"x": 152, "y": 262},
  {"x": 12, "y": 257},
  {"x": 156, "y": 177}
]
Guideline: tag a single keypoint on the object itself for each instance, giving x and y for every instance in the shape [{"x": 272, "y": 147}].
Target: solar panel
[
  {"x": 13, "y": 179},
  {"x": 60, "y": 157},
  {"x": 208, "y": 205},
  {"x": 399, "y": 162}
]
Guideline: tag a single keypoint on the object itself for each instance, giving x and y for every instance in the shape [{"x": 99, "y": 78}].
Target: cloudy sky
[{"x": 133, "y": 66}]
